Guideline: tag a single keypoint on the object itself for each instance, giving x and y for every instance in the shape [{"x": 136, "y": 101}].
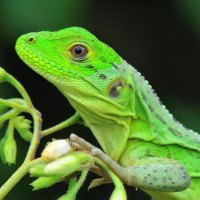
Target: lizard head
[
  {"x": 94, "y": 78},
  {"x": 69, "y": 53},
  {"x": 76, "y": 62}
]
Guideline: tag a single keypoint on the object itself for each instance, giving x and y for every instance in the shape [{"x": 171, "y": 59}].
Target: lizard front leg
[
  {"x": 81, "y": 145},
  {"x": 154, "y": 173}
]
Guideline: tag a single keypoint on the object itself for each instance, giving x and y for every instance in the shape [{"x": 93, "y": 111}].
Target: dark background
[{"x": 160, "y": 38}]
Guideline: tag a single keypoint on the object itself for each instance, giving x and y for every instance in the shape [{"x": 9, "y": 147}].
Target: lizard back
[{"x": 165, "y": 129}]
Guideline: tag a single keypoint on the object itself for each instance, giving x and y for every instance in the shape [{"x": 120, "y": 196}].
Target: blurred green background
[{"x": 160, "y": 38}]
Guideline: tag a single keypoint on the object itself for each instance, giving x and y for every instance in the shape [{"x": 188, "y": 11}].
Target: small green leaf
[
  {"x": 8, "y": 149},
  {"x": 44, "y": 182},
  {"x": 69, "y": 164},
  {"x": 8, "y": 145},
  {"x": 65, "y": 165},
  {"x": 38, "y": 170},
  {"x": 2, "y": 75},
  {"x": 23, "y": 126}
]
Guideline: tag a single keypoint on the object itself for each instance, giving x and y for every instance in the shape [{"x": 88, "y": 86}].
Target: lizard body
[{"x": 143, "y": 144}]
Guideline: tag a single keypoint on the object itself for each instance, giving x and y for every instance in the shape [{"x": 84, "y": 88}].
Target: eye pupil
[
  {"x": 31, "y": 39},
  {"x": 78, "y": 50}
]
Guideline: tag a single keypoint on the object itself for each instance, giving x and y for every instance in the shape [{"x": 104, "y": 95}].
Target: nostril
[{"x": 31, "y": 40}]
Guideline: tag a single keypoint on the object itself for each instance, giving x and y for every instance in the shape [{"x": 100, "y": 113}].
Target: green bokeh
[
  {"x": 189, "y": 11},
  {"x": 18, "y": 17},
  {"x": 131, "y": 37},
  {"x": 26, "y": 15}
]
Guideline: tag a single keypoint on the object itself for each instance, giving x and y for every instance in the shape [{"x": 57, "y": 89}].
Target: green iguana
[{"x": 143, "y": 144}]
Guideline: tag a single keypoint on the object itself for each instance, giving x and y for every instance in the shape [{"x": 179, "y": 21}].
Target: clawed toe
[{"x": 80, "y": 143}]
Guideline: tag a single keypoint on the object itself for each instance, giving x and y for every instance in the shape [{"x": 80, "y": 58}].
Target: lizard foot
[{"x": 82, "y": 145}]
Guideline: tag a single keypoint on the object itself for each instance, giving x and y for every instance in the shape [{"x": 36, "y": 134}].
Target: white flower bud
[{"x": 56, "y": 149}]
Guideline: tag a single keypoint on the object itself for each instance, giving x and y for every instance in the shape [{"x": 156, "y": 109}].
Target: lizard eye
[
  {"x": 78, "y": 52},
  {"x": 31, "y": 39}
]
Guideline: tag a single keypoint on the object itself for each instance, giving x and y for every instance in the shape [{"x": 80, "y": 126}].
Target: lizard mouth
[{"x": 49, "y": 69}]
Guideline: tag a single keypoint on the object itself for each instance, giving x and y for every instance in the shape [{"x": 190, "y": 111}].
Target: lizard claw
[
  {"x": 98, "y": 181},
  {"x": 80, "y": 143},
  {"x": 96, "y": 152}
]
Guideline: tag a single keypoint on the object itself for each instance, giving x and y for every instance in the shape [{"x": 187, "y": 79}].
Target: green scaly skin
[{"x": 142, "y": 142}]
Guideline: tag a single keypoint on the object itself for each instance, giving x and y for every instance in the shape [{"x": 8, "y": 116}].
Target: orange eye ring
[{"x": 78, "y": 52}]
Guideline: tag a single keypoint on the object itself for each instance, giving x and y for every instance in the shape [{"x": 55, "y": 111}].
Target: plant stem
[
  {"x": 119, "y": 191},
  {"x": 36, "y": 134},
  {"x": 16, "y": 177},
  {"x": 9, "y": 114},
  {"x": 13, "y": 180},
  {"x": 10, "y": 79},
  {"x": 71, "y": 194},
  {"x": 23, "y": 170},
  {"x": 73, "y": 119},
  {"x": 11, "y": 104}
]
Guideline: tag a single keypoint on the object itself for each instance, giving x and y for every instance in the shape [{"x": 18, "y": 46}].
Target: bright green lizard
[{"x": 143, "y": 144}]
